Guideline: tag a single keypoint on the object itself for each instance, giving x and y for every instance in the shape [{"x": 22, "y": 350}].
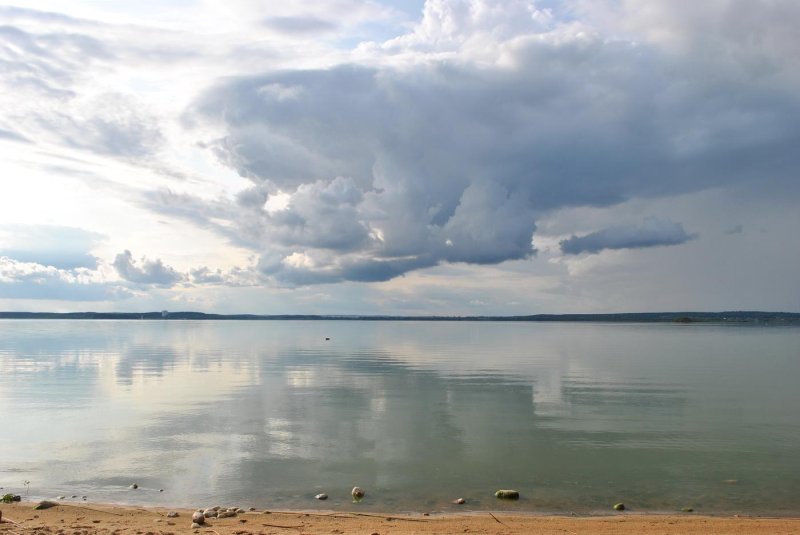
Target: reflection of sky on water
[{"x": 269, "y": 412}]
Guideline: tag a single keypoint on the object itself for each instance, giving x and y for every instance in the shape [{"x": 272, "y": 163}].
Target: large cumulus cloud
[{"x": 452, "y": 157}]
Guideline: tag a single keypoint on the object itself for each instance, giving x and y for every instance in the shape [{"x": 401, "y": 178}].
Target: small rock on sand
[
  {"x": 45, "y": 504},
  {"x": 173, "y": 514},
  {"x": 195, "y": 525},
  {"x": 198, "y": 517}
]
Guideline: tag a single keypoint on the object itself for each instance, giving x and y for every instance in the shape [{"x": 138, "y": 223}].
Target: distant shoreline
[{"x": 732, "y": 317}]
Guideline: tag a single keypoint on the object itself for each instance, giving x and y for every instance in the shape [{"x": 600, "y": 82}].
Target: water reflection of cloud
[{"x": 255, "y": 407}]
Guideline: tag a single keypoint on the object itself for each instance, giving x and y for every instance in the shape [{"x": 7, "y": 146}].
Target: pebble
[
  {"x": 460, "y": 501},
  {"x": 61, "y": 497},
  {"x": 687, "y": 510},
  {"x": 357, "y": 493},
  {"x": 321, "y": 496},
  {"x": 251, "y": 509},
  {"x": 173, "y": 514},
  {"x": 134, "y": 486},
  {"x": 208, "y": 513},
  {"x": 506, "y": 494},
  {"x": 619, "y": 506},
  {"x": 198, "y": 517},
  {"x": 195, "y": 525}
]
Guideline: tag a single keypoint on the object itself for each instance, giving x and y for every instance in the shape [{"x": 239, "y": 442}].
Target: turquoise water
[{"x": 269, "y": 413}]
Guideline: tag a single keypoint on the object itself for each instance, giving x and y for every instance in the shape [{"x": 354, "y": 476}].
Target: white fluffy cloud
[
  {"x": 145, "y": 271},
  {"x": 30, "y": 280}
]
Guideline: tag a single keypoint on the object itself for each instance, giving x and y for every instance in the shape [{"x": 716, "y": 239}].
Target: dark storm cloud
[
  {"x": 652, "y": 233},
  {"x": 455, "y": 162}
]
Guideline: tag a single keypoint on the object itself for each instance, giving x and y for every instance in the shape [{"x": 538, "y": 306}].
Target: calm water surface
[{"x": 269, "y": 413}]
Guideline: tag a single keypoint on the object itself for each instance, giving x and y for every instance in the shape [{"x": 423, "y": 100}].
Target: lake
[{"x": 576, "y": 416}]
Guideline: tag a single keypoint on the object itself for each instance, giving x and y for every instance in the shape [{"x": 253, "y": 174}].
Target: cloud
[
  {"x": 652, "y": 233},
  {"x": 451, "y": 140},
  {"x": 152, "y": 272},
  {"x": 50, "y": 245},
  {"x": 299, "y": 24},
  {"x": 30, "y": 280},
  {"x": 204, "y": 275},
  {"x": 454, "y": 160},
  {"x": 736, "y": 229}
]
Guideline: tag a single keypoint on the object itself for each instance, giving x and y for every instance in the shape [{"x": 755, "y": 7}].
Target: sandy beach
[{"x": 84, "y": 519}]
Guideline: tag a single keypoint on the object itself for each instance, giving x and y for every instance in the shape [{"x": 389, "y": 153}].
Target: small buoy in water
[
  {"x": 327, "y": 338},
  {"x": 357, "y": 493},
  {"x": 134, "y": 486},
  {"x": 619, "y": 506}
]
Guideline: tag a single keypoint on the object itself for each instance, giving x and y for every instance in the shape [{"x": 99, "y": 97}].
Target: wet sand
[{"x": 84, "y": 519}]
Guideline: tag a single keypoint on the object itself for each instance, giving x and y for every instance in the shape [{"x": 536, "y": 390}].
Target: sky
[{"x": 455, "y": 157}]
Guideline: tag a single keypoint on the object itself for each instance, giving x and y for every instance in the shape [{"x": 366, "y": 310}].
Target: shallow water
[{"x": 268, "y": 413}]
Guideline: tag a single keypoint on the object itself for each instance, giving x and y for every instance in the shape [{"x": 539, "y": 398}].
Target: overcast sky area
[{"x": 461, "y": 157}]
